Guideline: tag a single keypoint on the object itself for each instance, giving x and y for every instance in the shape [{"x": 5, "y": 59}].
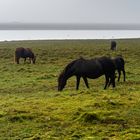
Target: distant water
[{"x": 9, "y": 35}]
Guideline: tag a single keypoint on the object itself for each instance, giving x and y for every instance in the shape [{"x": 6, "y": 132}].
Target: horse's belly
[
  {"x": 90, "y": 70},
  {"x": 94, "y": 76}
]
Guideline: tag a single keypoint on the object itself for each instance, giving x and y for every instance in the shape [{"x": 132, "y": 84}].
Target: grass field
[{"x": 33, "y": 109}]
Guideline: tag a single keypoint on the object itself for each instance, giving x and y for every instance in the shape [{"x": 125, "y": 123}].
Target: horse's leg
[
  {"x": 17, "y": 60},
  {"x": 112, "y": 78},
  {"x": 119, "y": 72},
  {"x": 30, "y": 60},
  {"x": 107, "y": 80},
  {"x": 123, "y": 75},
  {"x": 86, "y": 82},
  {"x": 78, "y": 82},
  {"x": 109, "y": 83},
  {"x": 24, "y": 60}
]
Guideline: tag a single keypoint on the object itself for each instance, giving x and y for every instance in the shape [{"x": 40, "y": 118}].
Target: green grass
[{"x": 32, "y": 108}]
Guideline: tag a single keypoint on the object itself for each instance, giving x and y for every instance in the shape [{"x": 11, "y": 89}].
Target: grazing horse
[
  {"x": 24, "y": 53},
  {"x": 119, "y": 65},
  {"x": 113, "y": 45},
  {"x": 92, "y": 68}
]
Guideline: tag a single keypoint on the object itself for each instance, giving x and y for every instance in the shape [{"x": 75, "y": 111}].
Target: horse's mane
[
  {"x": 69, "y": 65},
  {"x": 66, "y": 68}
]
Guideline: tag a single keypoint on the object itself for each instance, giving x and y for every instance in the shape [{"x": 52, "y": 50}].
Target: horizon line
[{"x": 68, "y": 26}]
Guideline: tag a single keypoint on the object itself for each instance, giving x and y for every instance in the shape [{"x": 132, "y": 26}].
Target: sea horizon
[{"x": 14, "y": 35}]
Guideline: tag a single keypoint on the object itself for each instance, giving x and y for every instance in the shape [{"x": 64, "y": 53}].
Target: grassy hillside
[{"x": 32, "y": 108}]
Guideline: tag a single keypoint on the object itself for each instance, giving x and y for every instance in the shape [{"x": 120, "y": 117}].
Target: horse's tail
[
  {"x": 122, "y": 63},
  {"x": 120, "y": 57},
  {"x": 122, "y": 60}
]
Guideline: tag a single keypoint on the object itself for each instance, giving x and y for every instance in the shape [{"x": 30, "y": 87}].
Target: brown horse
[
  {"x": 24, "y": 53},
  {"x": 92, "y": 68}
]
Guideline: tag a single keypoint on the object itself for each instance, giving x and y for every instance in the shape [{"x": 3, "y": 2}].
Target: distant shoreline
[
  {"x": 10, "y": 35},
  {"x": 67, "y": 40},
  {"x": 73, "y": 26}
]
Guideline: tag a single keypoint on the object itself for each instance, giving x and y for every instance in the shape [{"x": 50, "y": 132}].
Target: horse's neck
[
  {"x": 28, "y": 53},
  {"x": 68, "y": 74},
  {"x": 69, "y": 71}
]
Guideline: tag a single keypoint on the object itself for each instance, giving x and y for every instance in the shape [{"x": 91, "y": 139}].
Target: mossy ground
[{"x": 32, "y": 108}]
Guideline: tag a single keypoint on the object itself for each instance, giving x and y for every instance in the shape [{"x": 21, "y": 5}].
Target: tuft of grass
[{"x": 89, "y": 118}]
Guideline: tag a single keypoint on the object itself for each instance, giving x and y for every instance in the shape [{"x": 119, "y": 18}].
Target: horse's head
[{"x": 61, "y": 81}]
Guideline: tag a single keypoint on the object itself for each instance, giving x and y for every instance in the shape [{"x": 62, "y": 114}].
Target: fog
[{"x": 70, "y": 11}]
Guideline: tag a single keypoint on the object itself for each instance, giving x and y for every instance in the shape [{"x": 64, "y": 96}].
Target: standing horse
[
  {"x": 24, "y": 53},
  {"x": 113, "y": 45},
  {"x": 92, "y": 68},
  {"x": 119, "y": 65}
]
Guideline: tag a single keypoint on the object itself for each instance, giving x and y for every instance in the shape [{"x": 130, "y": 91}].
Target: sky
[{"x": 70, "y": 11}]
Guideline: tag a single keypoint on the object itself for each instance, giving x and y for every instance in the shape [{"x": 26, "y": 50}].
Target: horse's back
[
  {"x": 28, "y": 52},
  {"x": 82, "y": 64},
  {"x": 107, "y": 64},
  {"x": 90, "y": 68},
  {"x": 19, "y": 52},
  {"x": 24, "y": 52},
  {"x": 20, "y": 49}
]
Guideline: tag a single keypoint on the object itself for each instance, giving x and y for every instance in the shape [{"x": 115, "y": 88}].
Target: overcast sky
[{"x": 70, "y": 11}]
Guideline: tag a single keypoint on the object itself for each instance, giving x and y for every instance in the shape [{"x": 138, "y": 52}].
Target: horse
[
  {"x": 119, "y": 66},
  {"x": 113, "y": 45},
  {"x": 92, "y": 68},
  {"x": 24, "y": 53}
]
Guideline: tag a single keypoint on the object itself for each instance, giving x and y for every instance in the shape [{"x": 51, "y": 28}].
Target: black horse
[
  {"x": 113, "y": 45},
  {"x": 24, "y": 53},
  {"x": 92, "y": 68},
  {"x": 120, "y": 66}
]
